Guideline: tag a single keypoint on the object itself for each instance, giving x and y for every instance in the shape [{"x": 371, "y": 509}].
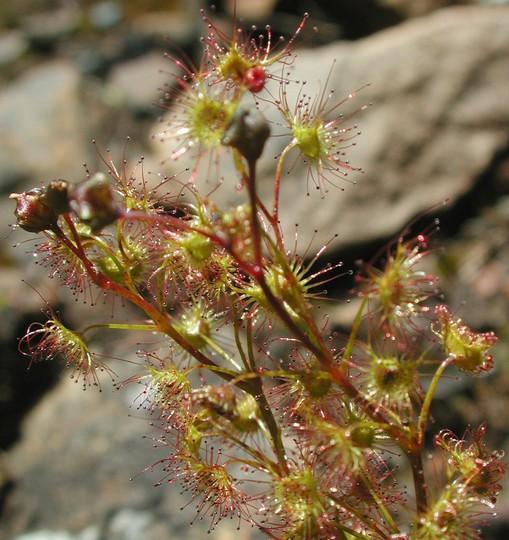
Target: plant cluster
[{"x": 269, "y": 417}]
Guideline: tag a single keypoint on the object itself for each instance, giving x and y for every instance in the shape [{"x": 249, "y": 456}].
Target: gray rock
[
  {"x": 12, "y": 45},
  {"x": 180, "y": 23},
  {"x": 44, "y": 134},
  {"x": 48, "y": 26},
  {"x": 475, "y": 268},
  {"x": 105, "y": 15},
  {"x": 44, "y": 125},
  {"x": 252, "y": 11},
  {"x": 46, "y": 535},
  {"x": 150, "y": 71}
]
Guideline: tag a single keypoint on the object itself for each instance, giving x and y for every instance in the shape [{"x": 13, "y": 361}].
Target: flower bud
[
  {"x": 56, "y": 196},
  {"x": 92, "y": 201},
  {"x": 247, "y": 131},
  {"x": 32, "y": 214}
]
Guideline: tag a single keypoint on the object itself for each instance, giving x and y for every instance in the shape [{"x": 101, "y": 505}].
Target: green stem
[
  {"x": 119, "y": 326},
  {"x": 238, "y": 343},
  {"x": 353, "y": 334},
  {"x": 214, "y": 346},
  {"x": 277, "y": 181},
  {"x": 426, "y": 405},
  {"x": 265, "y": 409},
  {"x": 362, "y": 517}
]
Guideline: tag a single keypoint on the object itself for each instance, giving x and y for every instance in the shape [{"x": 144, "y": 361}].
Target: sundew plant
[{"x": 268, "y": 414}]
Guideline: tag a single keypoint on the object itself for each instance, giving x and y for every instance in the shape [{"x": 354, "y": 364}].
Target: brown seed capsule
[
  {"x": 247, "y": 131},
  {"x": 32, "y": 214},
  {"x": 93, "y": 202},
  {"x": 56, "y": 196}
]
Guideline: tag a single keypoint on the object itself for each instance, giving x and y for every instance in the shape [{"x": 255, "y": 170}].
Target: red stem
[
  {"x": 421, "y": 495},
  {"x": 315, "y": 343},
  {"x": 103, "y": 282}
]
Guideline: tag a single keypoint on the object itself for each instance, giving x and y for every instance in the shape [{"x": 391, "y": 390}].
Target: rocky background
[{"x": 73, "y": 71}]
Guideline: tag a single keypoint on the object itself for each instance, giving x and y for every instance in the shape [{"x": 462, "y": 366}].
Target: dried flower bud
[
  {"x": 247, "y": 131},
  {"x": 32, "y": 214},
  {"x": 56, "y": 196},
  {"x": 93, "y": 202}
]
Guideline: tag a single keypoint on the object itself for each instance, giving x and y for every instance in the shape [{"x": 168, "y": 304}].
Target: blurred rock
[
  {"x": 180, "y": 25},
  {"x": 252, "y": 11},
  {"x": 151, "y": 72},
  {"x": 413, "y": 8},
  {"x": 105, "y": 15},
  {"x": 355, "y": 20},
  {"x": 44, "y": 27},
  {"x": 44, "y": 125},
  {"x": 12, "y": 46},
  {"x": 475, "y": 268}
]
